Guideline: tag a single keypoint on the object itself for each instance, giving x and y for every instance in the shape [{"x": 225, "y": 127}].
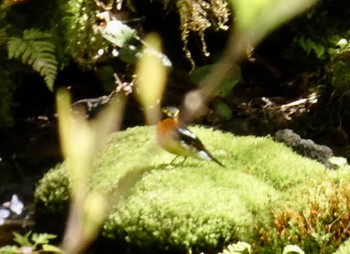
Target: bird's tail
[
  {"x": 217, "y": 162},
  {"x": 207, "y": 156}
]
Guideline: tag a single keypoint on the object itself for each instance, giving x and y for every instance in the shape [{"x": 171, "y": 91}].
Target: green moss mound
[{"x": 267, "y": 196}]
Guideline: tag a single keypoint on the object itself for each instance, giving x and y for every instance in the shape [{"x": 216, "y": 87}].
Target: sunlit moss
[
  {"x": 267, "y": 196},
  {"x": 82, "y": 39}
]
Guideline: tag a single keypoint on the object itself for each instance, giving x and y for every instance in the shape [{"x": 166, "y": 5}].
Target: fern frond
[
  {"x": 3, "y": 36},
  {"x": 35, "y": 49}
]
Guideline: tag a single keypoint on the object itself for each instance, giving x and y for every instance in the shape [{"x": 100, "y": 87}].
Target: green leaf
[
  {"x": 309, "y": 46},
  {"x": 247, "y": 11},
  {"x": 227, "y": 86},
  {"x": 198, "y": 74},
  {"x": 42, "y": 238},
  {"x": 292, "y": 248},
  {"x": 238, "y": 248},
  {"x": 256, "y": 18},
  {"x": 223, "y": 110},
  {"x": 118, "y": 33},
  {"x": 9, "y": 250},
  {"x": 22, "y": 240},
  {"x": 51, "y": 248}
]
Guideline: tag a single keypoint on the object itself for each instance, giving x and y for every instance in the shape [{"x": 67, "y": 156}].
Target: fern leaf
[
  {"x": 27, "y": 55},
  {"x": 21, "y": 48},
  {"x": 3, "y": 36},
  {"x": 36, "y": 49},
  {"x": 44, "y": 46},
  {"x": 12, "y": 47},
  {"x": 34, "y": 34}
]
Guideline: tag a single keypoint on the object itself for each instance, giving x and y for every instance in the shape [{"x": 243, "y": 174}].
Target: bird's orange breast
[
  {"x": 165, "y": 129},
  {"x": 165, "y": 136}
]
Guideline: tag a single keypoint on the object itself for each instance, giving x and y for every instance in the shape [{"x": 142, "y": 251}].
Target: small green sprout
[{"x": 31, "y": 244}]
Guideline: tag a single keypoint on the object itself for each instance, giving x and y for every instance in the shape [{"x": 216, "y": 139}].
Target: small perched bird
[{"x": 176, "y": 138}]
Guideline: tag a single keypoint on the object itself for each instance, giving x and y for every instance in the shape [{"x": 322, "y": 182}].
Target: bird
[{"x": 176, "y": 138}]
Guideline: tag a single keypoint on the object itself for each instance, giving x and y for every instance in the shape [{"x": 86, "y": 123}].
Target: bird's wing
[{"x": 189, "y": 138}]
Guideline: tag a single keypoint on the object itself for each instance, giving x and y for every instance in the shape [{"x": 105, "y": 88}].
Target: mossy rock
[{"x": 267, "y": 196}]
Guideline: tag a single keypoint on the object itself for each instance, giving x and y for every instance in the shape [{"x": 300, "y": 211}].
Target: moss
[
  {"x": 267, "y": 195},
  {"x": 202, "y": 211},
  {"x": 52, "y": 200},
  {"x": 78, "y": 28}
]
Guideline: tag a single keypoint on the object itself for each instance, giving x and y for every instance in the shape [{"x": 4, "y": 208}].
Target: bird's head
[{"x": 171, "y": 112}]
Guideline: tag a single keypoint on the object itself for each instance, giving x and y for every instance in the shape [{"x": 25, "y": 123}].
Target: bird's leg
[{"x": 174, "y": 159}]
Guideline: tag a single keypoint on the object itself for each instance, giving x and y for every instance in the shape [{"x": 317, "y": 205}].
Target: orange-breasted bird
[{"x": 176, "y": 138}]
